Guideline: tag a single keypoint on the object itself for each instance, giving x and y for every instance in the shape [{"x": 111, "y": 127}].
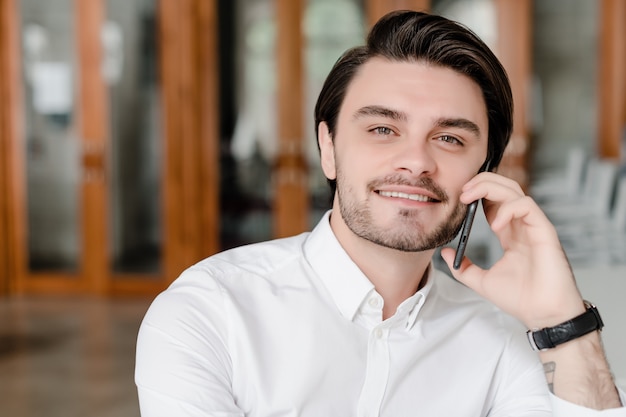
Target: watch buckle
[{"x": 531, "y": 340}]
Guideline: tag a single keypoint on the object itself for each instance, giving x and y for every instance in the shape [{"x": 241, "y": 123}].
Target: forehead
[{"x": 414, "y": 87}]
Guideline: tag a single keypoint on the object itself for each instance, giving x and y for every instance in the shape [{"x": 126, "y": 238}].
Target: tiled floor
[{"x": 65, "y": 357}]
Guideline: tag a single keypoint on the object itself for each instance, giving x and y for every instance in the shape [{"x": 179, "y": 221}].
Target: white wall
[{"x": 606, "y": 288}]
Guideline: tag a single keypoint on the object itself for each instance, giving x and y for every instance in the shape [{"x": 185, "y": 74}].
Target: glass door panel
[
  {"x": 130, "y": 70},
  {"x": 248, "y": 120},
  {"x": 93, "y": 121},
  {"x": 52, "y": 147},
  {"x": 250, "y": 135},
  {"x": 330, "y": 28}
]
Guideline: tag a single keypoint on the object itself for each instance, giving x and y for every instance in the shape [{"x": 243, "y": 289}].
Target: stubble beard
[{"x": 409, "y": 233}]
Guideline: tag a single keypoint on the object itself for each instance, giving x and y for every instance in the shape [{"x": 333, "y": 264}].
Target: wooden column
[
  {"x": 208, "y": 117},
  {"x": 378, "y": 8},
  {"x": 12, "y": 211},
  {"x": 188, "y": 31},
  {"x": 94, "y": 135},
  {"x": 4, "y": 259},
  {"x": 514, "y": 49},
  {"x": 290, "y": 170},
  {"x": 612, "y": 78}
]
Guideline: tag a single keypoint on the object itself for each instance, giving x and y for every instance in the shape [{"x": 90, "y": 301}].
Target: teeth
[{"x": 414, "y": 197}]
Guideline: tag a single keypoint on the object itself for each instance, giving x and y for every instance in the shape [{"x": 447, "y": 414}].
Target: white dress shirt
[{"x": 292, "y": 327}]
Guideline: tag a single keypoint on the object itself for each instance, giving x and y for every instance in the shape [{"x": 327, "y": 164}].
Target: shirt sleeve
[
  {"x": 562, "y": 408},
  {"x": 182, "y": 365}
]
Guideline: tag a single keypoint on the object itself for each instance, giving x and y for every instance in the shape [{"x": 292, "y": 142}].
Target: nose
[{"x": 415, "y": 157}]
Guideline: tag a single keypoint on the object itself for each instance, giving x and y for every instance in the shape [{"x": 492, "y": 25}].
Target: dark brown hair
[{"x": 416, "y": 36}]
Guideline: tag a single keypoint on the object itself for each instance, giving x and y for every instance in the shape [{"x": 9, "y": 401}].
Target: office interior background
[{"x": 140, "y": 136}]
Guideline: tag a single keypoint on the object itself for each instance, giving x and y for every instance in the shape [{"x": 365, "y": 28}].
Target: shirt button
[
  {"x": 378, "y": 333},
  {"x": 374, "y": 302}
]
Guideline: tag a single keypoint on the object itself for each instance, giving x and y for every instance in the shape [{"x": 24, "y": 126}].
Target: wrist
[
  {"x": 557, "y": 313},
  {"x": 551, "y": 336}
]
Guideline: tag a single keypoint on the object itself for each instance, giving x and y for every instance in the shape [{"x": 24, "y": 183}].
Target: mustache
[{"x": 426, "y": 183}]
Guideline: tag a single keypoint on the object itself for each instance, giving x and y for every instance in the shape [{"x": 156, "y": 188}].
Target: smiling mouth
[{"x": 413, "y": 197}]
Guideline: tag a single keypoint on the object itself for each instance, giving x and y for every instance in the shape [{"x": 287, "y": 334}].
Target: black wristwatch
[{"x": 549, "y": 337}]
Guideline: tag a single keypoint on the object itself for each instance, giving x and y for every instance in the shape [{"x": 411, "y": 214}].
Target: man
[{"x": 351, "y": 319}]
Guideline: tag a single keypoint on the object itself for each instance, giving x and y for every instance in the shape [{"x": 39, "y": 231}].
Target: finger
[
  {"x": 523, "y": 208},
  {"x": 493, "y": 188},
  {"x": 494, "y": 179},
  {"x": 468, "y": 273}
]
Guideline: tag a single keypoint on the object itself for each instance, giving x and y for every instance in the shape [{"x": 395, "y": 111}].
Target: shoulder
[
  {"x": 230, "y": 273},
  {"x": 203, "y": 294},
  {"x": 256, "y": 258},
  {"x": 270, "y": 263}
]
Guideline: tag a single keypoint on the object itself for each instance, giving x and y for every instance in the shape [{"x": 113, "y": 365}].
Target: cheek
[
  {"x": 355, "y": 166},
  {"x": 455, "y": 182}
]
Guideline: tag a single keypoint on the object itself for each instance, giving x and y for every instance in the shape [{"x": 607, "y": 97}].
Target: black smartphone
[{"x": 467, "y": 225}]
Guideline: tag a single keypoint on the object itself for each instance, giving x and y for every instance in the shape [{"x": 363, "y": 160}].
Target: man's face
[{"x": 408, "y": 136}]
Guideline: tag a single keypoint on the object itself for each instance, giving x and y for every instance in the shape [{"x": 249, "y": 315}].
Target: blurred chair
[
  {"x": 562, "y": 184},
  {"x": 598, "y": 240},
  {"x": 593, "y": 200}
]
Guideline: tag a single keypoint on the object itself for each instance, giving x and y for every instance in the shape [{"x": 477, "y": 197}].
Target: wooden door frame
[
  {"x": 190, "y": 165},
  {"x": 92, "y": 131},
  {"x": 612, "y": 79},
  {"x": 11, "y": 153},
  {"x": 290, "y": 173},
  {"x": 189, "y": 79},
  {"x": 188, "y": 52},
  {"x": 514, "y": 50},
  {"x": 14, "y": 250},
  {"x": 94, "y": 136}
]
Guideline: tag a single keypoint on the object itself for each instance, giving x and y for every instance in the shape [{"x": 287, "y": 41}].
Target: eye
[
  {"x": 382, "y": 130},
  {"x": 450, "y": 139}
]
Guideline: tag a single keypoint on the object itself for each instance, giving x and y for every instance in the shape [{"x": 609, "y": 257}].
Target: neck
[
  {"x": 396, "y": 279},
  {"x": 396, "y": 275}
]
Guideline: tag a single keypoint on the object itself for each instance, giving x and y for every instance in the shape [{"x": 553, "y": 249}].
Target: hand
[{"x": 533, "y": 280}]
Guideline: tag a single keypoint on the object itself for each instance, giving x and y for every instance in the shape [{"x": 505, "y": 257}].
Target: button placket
[{"x": 377, "y": 373}]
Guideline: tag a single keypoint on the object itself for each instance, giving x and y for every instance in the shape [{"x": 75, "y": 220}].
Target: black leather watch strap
[{"x": 550, "y": 337}]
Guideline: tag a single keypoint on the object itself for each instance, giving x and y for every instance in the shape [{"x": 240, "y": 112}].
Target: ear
[{"x": 327, "y": 151}]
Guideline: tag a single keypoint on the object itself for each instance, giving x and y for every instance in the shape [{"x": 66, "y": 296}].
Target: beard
[{"x": 409, "y": 234}]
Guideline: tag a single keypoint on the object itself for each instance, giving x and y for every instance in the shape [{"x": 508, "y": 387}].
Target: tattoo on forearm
[{"x": 549, "y": 368}]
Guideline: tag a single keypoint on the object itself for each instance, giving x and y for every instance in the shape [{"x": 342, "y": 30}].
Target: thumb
[{"x": 468, "y": 273}]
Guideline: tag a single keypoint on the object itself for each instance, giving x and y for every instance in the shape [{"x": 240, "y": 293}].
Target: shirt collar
[
  {"x": 414, "y": 303},
  {"x": 343, "y": 279},
  {"x": 345, "y": 282}
]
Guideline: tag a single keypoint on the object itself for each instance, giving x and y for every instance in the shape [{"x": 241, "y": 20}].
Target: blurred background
[{"x": 138, "y": 137}]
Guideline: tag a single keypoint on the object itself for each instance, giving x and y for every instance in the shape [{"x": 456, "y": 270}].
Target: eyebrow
[
  {"x": 382, "y": 112},
  {"x": 460, "y": 123}
]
